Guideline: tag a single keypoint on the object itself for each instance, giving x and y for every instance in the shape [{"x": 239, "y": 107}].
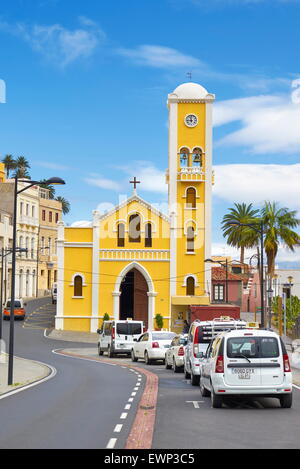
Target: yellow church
[{"x": 134, "y": 261}]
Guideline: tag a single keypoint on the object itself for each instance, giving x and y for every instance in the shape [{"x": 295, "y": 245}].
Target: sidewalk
[
  {"x": 70, "y": 336},
  {"x": 25, "y": 372}
]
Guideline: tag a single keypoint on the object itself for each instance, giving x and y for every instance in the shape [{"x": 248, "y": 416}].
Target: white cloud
[
  {"x": 269, "y": 124},
  {"x": 54, "y": 166},
  {"x": 57, "y": 43},
  {"x": 103, "y": 183},
  {"x": 258, "y": 182},
  {"x": 159, "y": 56},
  {"x": 152, "y": 179}
]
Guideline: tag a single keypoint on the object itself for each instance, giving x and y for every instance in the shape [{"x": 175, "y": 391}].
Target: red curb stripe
[{"x": 142, "y": 430}]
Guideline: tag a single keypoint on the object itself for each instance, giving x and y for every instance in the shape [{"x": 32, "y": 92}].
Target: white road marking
[
  {"x": 112, "y": 443},
  {"x": 138, "y": 384},
  {"x": 118, "y": 428},
  {"x": 136, "y": 389},
  {"x": 130, "y": 399},
  {"x": 195, "y": 403},
  {"x": 124, "y": 416},
  {"x": 127, "y": 407},
  {"x": 133, "y": 394}
]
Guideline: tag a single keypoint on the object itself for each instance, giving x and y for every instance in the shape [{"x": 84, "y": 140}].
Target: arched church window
[
  {"x": 148, "y": 235},
  {"x": 197, "y": 158},
  {"x": 184, "y": 158},
  {"x": 191, "y": 197},
  {"x": 135, "y": 228},
  {"x": 121, "y": 235},
  {"x": 190, "y": 286},
  {"x": 190, "y": 239},
  {"x": 78, "y": 284}
]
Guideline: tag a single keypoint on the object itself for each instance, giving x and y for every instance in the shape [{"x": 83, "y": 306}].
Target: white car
[
  {"x": 175, "y": 354},
  {"x": 117, "y": 337},
  {"x": 200, "y": 336},
  {"x": 249, "y": 363},
  {"x": 152, "y": 346}
]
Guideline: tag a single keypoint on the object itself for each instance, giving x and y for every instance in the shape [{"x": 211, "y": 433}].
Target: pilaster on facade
[
  {"x": 96, "y": 271},
  {"x": 59, "y": 322}
]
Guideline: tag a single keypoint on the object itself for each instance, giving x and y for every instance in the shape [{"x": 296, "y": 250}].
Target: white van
[
  {"x": 118, "y": 337},
  {"x": 200, "y": 336},
  {"x": 249, "y": 363}
]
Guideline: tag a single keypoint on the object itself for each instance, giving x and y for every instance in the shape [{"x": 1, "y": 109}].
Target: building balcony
[
  {"x": 145, "y": 255},
  {"x": 29, "y": 221},
  {"x": 192, "y": 174}
]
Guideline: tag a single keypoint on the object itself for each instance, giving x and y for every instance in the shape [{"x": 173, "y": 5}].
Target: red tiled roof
[{"x": 219, "y": 274}]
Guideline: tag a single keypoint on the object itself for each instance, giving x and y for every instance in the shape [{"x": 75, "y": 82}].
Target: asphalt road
[{"x": 79, "y": 408}]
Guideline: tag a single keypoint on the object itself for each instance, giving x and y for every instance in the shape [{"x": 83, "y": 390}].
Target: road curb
[
  {"x": 142, "y": 430},
  {"x": 52, "y": 373}
]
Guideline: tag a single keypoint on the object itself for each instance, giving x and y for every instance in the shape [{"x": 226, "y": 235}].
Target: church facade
[{"x": 136, "y": 262}]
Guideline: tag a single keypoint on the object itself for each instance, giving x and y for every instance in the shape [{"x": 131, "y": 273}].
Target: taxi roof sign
[{"x": 252, "y": 325}]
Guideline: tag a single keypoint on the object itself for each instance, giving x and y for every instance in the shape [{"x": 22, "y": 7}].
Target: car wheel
[
  {"x": 110, "y": 352},
  {"x": 100, "y": 352},
  {"x": 186, "y": 373},
  {"x": 195, "y": 380},
  {"x": 203, "y": 390},
  {"x": 147, "y": 359},
  {"x": 167, "y": 366},
  {"x": 176, "y": 369},
  {"x": 133, "y": 357},
  {"x": 286, "y": 401},
  {"x": 216, "y": 401}
]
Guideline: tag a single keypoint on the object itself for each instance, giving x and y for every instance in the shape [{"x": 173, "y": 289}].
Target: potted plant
[{"x": 159, "y": 322}]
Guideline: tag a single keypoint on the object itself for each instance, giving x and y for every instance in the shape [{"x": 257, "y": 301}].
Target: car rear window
[
  {"x": 252, "y": 347},
  {"x": 132, "y": 328},
  {"x": 17, "y": 304},
  {"x": 164, "y": 336}
]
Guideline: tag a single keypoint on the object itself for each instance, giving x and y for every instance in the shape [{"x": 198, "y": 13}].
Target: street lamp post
[
  {"x": 270, "y": 296},
  {"x": 53, "y": 181}
]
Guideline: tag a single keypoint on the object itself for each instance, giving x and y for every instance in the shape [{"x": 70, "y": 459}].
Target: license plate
[{"x": 243, "y": 373}]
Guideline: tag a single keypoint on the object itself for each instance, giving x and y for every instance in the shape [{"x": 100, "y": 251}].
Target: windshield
[
  {"x": 164, "y": 336},
  {"x": 132, "y": 328},
  {"x": 17, "y": 304},
  {"x": 252, "y": 347}
]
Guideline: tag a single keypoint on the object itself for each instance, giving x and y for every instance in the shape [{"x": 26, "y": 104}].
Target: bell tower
[{"x": 190, "y": 180}]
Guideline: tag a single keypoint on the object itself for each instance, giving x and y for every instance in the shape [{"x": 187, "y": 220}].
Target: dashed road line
[
  {"x": 118, "y": 428},
  {"x": 112, "y": 443}
]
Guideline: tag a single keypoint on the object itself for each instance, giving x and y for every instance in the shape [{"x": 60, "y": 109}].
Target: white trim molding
[{"x": 59, "y": 322}]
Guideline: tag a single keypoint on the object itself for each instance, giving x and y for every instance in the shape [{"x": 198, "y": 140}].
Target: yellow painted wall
[
  {"x": 2, "y": 172},
  {"x": 191, "y": 263}
]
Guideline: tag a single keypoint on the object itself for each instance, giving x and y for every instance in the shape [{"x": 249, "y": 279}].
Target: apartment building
[
  {"x": 6, "y": 234},
  {"x": 50, "y": 213}
]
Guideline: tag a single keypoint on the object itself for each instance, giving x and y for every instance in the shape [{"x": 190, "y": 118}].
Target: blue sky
[{"x": 87, "y": 84}]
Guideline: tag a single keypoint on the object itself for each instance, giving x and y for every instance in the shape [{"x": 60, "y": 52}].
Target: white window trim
[
  {"x": 194, "y": 277},
  {"x": 78, "y": 274}
]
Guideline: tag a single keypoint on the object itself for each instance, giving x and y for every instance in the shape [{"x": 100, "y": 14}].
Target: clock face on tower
[{"x": 191, "y": 120}]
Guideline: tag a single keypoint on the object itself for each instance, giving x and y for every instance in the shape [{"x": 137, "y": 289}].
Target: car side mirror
[
  {"x": 99, "y": 331},
  {"x": 135, "y": 340}
]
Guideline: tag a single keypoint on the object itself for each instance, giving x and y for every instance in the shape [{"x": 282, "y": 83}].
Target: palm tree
[
  {"x": 66, "y": 207},
  {"x": 240, "y": 236},
  {"x": 22, "y": 166},
  {"x": 21, "y": 173},
  {"x": 9, "y": 163},
  {"x": 279, "y": 223}
]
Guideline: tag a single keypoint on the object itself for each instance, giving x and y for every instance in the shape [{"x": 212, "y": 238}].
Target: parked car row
[{"x": 224, "y": 357}]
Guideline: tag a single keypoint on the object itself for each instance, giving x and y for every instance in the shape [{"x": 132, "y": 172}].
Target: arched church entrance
[{"x": 134, "y": 297}]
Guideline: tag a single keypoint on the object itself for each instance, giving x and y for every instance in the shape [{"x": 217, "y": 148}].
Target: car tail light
[
  {"x": 155, "y": 345},
  {"x": 220, "y": 364},
  {"x": 181, "y": 352},
  {"x": 286, "y": 363},
  {"x": 113, "y": 333}
]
